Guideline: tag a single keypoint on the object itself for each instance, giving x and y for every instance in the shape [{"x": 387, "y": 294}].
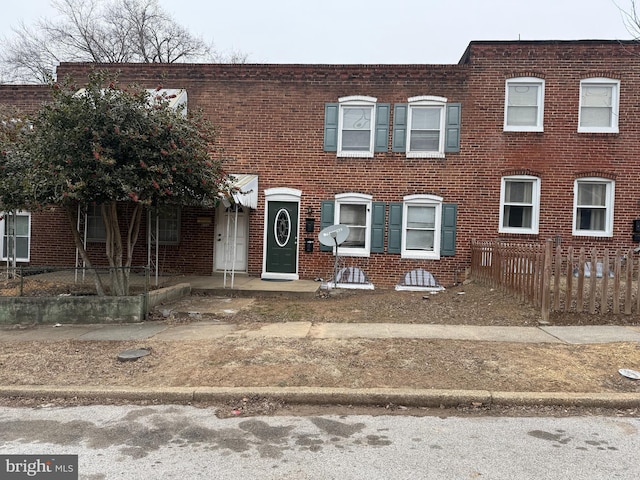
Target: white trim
[
  {"x": 609, "y": 201},
  {"x": 357, "y": 101},
  {"x": 422, "y": 201},
  {"x": 526, "y": 81},
  {"x": 412, "y": 288},
  {"x": 275, "y": 226},
  {"x": 535, "y": 205},
  {"x": 427, "y": 98},
  {"x": 427, "y": 101},
  {"x": 351, "y": 286},
  {"x": 355, "y": 199},
  {"x": 21, "y": 213},
  {"x": 615, "y": 105},
  {"x": 280, "y": 194}
]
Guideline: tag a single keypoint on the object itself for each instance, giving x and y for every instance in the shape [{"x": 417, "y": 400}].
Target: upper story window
[
  {"x": 519, "y": 204},
  {"x": 524, "y": 105},
  {"x": 593, "y": 207},
  {"x": 354, "y": 210},
  {"x": 356, "y": 126},
  {"x": 426, "y": 127},
  {"x": 16, "y": 235},
  {"x": 599, "y": 100}
]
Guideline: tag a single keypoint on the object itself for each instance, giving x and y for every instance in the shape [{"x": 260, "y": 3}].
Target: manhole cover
[{"x": 133, "y": 355}]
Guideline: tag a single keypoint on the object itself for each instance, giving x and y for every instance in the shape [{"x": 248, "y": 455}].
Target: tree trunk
[
  {"x": 71, "y": 212},
  {"x": 119, "y": 278}
]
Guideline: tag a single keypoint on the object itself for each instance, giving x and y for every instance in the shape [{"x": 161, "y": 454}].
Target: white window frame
[
  {"x": 357, "y": 101},
  {"x": 432, "y": 102},
  {"x": 535, "y": 204},
  {"x": 355, "y": 199},
  {"x": 609, "y": 202},
  {"x": 615, "y": 104},
  {"x": 19, "y": 213},
  {"x": 530, "y": 82},
  {"x": 422, "y": 201}
]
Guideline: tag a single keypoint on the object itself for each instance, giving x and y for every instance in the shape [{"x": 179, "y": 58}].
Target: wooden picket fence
[{"x": 597, "y": 282}]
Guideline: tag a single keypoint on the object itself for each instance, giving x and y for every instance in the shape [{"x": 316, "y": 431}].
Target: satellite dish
[{"x": 333, "y": 235}]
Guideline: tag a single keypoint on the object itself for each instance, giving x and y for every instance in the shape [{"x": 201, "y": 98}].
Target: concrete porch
[{"x": 242, "y": 285}]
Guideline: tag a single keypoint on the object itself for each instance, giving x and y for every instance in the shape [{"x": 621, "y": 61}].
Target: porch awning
[{"x": 245, "y": 190}]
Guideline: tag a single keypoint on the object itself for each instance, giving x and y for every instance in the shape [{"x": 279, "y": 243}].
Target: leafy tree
[
  {"x": 101, "y": 31},
  {"x": 14, "y": 184},
  {"x": 125, "y": 149},
  {"x": 14, "y": 125}
]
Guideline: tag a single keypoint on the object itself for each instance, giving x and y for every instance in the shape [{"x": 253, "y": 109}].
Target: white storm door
[{"x": 230, "y": 245}]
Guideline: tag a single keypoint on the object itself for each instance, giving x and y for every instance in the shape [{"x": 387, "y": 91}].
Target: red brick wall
[
  {"x": 559, "y": 155},
  {"x": 52, "y": 243},
  {"x": 27, "y": 98},
  {"x": 270, "y": 120}
]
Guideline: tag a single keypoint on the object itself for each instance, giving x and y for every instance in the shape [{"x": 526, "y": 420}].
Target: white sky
[{"x": 371, "y": 31}]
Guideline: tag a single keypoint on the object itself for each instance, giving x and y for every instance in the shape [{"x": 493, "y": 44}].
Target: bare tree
[
  {"x": 101, "y": 31},
  {"x": 631, "y": 18}
]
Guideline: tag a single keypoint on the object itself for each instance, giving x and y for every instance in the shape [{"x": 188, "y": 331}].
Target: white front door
[{"x": 230, "y": 247}]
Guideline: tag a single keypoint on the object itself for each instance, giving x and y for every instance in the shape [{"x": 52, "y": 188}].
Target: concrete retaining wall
[
  {"x": 93, "y": 309},
  {"x": 168, "y": 294}
]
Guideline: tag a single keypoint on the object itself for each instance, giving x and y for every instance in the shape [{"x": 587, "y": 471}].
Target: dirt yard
[{"x": 360, "y": 363}]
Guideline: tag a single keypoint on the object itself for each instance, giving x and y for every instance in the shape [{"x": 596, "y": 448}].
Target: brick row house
[{"x": 520, "y": 141}]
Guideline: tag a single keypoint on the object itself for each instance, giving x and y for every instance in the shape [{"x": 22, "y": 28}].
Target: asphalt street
[{"x": 180, "y": 442}]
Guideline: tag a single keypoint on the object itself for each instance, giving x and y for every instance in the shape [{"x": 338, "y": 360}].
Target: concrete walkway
[{"x": 204, "y": 330}]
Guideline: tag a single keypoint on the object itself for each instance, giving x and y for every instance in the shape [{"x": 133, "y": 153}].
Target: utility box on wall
[
  {"x": 310, "y": 225},
  {"x": 308, "y": 245}
]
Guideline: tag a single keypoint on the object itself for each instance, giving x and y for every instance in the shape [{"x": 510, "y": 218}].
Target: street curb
[{"x": 330, "y": 396}]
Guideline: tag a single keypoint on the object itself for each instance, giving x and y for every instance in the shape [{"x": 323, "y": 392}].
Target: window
[
  {"x": 593, "y": 207},
  {"x": 599, "y": 99},
  {"x": 16, "y": 227},
  {"x": 519, "y": 204},
  {"x": 167, "y": 230},
  {"x": 355, "y": 126},
  {"x": 426, "y": 127},
  {"x": 524, "y": 105},
  {"x": 421, "y": 226},
  {"x": 354, "y": 210},
  {"x": 96, "y": 231}
]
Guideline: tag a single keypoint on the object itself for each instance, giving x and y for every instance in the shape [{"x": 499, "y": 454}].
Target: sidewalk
[{"x": 203, "y": 330}]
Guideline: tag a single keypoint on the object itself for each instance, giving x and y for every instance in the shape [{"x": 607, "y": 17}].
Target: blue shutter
[
  {"x": 377, "y": 226},
  {"x": 400, "y": 118},
  {"x": 395, "y": 228},
  {"x": 331, "y": 111},
  {"x": 448, "y": 240},
  {"x": 452, "y": 132},
  {"x": 327, "y": 209},
  {"x": 382, "y": 127}
]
